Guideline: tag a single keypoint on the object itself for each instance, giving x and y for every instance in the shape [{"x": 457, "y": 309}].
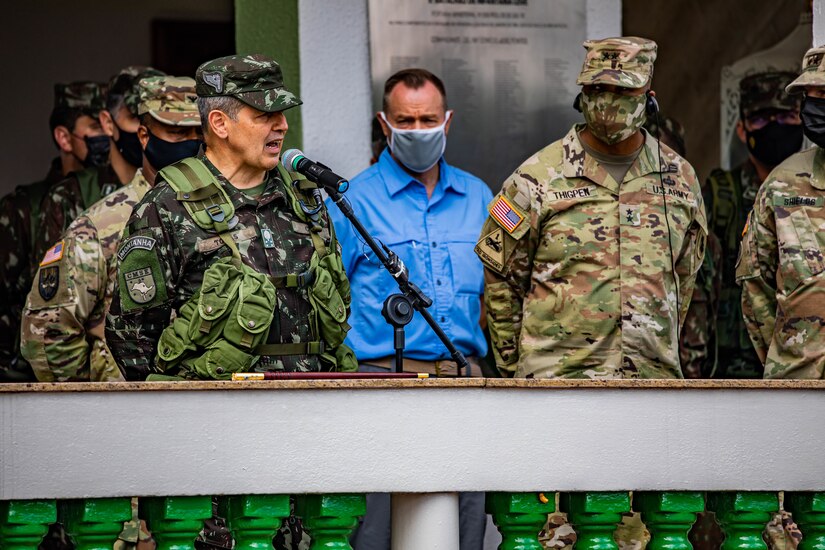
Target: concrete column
[
  {"x": 604, "y": 18},
  {"x": 424, "y": 520},
  {"x": 819, "y": 22}
]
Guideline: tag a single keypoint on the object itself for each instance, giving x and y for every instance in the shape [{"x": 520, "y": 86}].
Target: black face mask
[
  {"x": 129, "y": 146},
  {"x": 774, "y": 142},
  {"x": 97, "y": 148},
  {"x": 813, "y": 119},
  {"x": 161, "y": 153}
]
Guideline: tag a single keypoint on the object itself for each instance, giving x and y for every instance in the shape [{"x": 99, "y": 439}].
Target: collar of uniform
[
  {"x": 55, "y": 173},
  {"x": 818, "y": 175},
  {"x": 577, "y": 163},
  {"x": 399, "y": 178},
  {"x": 272, "y": 191}
]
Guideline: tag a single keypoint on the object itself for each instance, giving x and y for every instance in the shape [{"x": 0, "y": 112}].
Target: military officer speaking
[
  {"x": 240, "y": 250},
  {"x": 62, "y": 328},
  {"x": 592, "y": 246},
  {"x": 781, "y": 261}
]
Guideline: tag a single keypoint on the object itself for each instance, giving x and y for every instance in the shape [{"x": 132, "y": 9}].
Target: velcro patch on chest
[
  {"x": 679, "y": 194},
  {"x": 211, "y": 244},
  {"x": 798, "y": 200},
  {"x": 506, "y": 214},
  {"x": 573, "y": 194}
]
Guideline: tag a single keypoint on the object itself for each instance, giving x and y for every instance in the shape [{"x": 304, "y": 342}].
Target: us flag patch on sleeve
[
  {"x": 507, "y": 216},
  {"x": 54, "y": 254}
]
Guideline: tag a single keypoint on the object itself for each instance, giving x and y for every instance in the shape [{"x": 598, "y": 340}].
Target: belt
[
  {"x": 294, "y": 280},
  {"x": 298, "y": 348},
  {"x": 441, "y": 367}
]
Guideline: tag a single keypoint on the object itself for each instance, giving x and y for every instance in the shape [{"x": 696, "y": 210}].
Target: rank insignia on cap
[
  {"x": 54, "y": 254},
  {"x": 47, "y": 282},
  {"x": 507, "y": 216},
  {"x": 215, "y": 80}
]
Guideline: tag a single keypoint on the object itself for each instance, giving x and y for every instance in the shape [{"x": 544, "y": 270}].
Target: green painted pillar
[
  {"x": 743, "y": 517},
  {"x": 669, "y": 517},
  {"x": 176, "y": 521},
  {"x": 24, "y": 522},
  {"x": 808, "y": 510},
  {"x": 594, "y": 516},
  {"x": 330, "y": 519},
  {"x": 254, "y": 519},
  {"x": 519, "y": 517},
  {"x": 270, "y": 27},
  {"x": 95, "y": 523}
]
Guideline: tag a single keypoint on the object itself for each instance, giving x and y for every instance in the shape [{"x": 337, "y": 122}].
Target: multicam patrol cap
[
  {"x": 813, "y": 71},
  {"x": 169, "y": 99},
  {"x": 253, "y": 79},
  {"x": 762, "y": 91},
  {"x": 86, "y": 96},
  {"x": 125, "y": 82},
  {"x": 626, "y": 61}
]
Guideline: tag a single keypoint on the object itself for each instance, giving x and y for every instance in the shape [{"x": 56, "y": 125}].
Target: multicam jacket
[
  {"x": 579, "y": 272},
  {"x": 164, "y": 254},
  {"x": 781, "y": 268},
  {"x": 62, "y": 329}
]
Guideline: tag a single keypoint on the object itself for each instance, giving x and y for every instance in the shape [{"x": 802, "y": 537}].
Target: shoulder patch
[
  {"x": 141, "y": 285},
  {"x": 48, "y": 282},
  {"x": 490, "y": 249},
  {"x": 54, "y": 254},
  {"x": 132, "y": 243},
  {"x": 506, "y": 214}
]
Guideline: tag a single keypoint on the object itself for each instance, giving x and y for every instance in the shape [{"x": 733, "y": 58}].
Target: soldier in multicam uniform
[
  {"x": 592, "y": 246},
  {"x": 62, "y": 328},
  {"x": 770, "y": 127},
  {"x": 579, "y": 251},
  {"x": 114, "y": 166},
  {"x": 781, "y": 262},
  {"x": 72, "y": 121},
  {"x": 231, "y": 235}
]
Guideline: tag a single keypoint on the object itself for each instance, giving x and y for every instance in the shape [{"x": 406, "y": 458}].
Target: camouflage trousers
[{"x": 630, "y": 534}]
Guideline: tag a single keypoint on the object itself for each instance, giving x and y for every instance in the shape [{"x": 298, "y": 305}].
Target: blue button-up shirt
[{"x": 435, "y": 238}]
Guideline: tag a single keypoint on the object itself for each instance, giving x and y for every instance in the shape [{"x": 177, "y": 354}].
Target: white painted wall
[
  {"x": 335, "y": 77},
  {"x": 415, "y": 439}
]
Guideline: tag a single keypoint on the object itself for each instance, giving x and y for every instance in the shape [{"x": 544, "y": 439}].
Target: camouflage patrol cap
[
  {"x": 813, "y": 71},
  {"x": 766, "y": 91},
  {"x": 626, "y": 61},
  {"x": 169, "y": 99},
  {"x": 86, "y": 96},
  {"x": 669, "y": 130},
  {"x": 125, "y": 82},
  {"x": 253, "y": 79}
]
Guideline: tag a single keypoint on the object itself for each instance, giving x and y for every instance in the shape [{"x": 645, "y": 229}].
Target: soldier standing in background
[
  {"x": 770, "y": 127},
  {"x": 115, "y": 164},
  {"x": 76, "y": 131},
  {"x": 62, "y": 328}
]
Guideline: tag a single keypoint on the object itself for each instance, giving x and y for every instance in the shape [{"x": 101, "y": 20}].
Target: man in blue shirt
[{"x": 430, "y": 214}]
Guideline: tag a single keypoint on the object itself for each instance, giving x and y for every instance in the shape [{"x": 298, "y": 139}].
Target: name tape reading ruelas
[{"x": 144, "y": 243}]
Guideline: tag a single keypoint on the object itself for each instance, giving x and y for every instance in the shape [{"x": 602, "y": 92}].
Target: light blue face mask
[{"x": 418, "y": 150}]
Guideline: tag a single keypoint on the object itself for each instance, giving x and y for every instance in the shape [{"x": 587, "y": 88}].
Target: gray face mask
[{"x": 418, "y": 150}]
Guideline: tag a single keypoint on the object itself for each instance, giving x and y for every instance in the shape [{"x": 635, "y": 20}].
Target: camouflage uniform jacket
[
  {"x": 18, "y": 211},
  {"x": 68, "y": 199},
  {"x": 271, "y": 238},
  {"x": 729, "y": 197},
  {"x": 62, "y": 328},
  {"x": 583, "y": 285},
  {"x": 782, "y": 268}
]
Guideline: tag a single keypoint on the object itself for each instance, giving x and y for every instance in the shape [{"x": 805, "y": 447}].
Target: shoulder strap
[
  {"x": 201, "y": 193},
  {"x": 291, "y": 181},
  {"x": 88, "y": 181}
]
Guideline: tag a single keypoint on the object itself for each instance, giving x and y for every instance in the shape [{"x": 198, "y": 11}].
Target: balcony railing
[{"x": 78, "y": 452}]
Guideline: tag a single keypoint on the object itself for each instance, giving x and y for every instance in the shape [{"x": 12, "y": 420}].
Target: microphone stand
[{"x": 419, "y": 301}]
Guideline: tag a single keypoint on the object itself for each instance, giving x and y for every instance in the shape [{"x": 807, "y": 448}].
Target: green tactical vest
[{"x": 223, "y": 327}]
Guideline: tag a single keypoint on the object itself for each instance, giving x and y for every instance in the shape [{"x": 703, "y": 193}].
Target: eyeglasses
[{"x": 759, "y": 120}]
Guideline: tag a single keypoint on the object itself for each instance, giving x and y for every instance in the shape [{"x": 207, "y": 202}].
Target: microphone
[{"x": 295, "y": 161}]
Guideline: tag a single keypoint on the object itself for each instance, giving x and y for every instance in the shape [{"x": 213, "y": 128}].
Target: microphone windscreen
[{"x": 290, "y": 157}]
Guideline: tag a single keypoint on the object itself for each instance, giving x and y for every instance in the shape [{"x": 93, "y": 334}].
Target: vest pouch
[
  {"x": 219, "y": 361},
  {"x": 330, "y": 311},
  {"x": 250, "y": 318},
  {"x": 174, "y": 341},
  {"x": 219, "y": 292}
]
